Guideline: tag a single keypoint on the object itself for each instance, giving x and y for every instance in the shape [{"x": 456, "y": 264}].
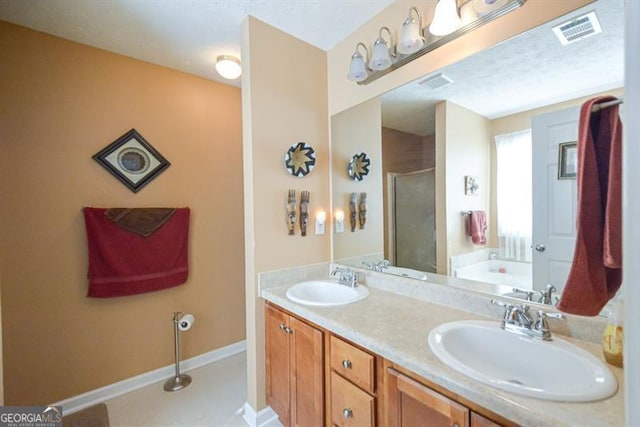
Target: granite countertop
[{"x": 396, "y": 327}]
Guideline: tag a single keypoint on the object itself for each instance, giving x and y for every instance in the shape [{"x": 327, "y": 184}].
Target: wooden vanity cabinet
[
  {"x": 305, "y": 363},
  {"x": 410, "y": 403},
  {"x": 294, "y": 369}
]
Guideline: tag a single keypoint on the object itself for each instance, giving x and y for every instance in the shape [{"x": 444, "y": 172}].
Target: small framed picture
[
  {"x": 567, "y": 160},
  {"x": 132, "y": 160}
]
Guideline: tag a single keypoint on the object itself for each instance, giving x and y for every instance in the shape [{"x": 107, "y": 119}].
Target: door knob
[{"x": 540, "y": 247}]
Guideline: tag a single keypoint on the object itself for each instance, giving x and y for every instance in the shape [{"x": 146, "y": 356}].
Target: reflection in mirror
[{"x": 500, "y": 117}]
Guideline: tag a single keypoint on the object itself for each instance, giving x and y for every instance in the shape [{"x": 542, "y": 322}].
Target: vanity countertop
[{"x": 396, "y": 327}]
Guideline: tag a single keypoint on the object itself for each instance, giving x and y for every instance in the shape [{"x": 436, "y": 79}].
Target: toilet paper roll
[{"x": 186, "y": 322}]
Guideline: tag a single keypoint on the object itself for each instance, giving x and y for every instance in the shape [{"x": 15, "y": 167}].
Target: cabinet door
[
  {"x": 277, "y": 345},
  {"x": 307, "y": 386},
  {"x": 410, "y": 404},
  {"x": 478, "y": 420}
]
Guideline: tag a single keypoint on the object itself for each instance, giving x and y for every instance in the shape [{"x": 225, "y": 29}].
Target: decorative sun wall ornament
[
  {"x": 300, "y": 159},
  {"x": 359, "y": 166}
]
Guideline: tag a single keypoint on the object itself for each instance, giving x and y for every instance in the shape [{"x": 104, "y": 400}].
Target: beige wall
[
  {"x": 358, "y": 130},
  {"x": 467, "y": 145},
  {"x": 284, "y": 102},
  {"x": 61, "y": 103},
  {"x": 344, "y": 93}
]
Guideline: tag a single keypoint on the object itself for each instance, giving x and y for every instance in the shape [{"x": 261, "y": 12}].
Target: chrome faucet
[
  {"x": 546, "y": 296},
  {"x": 346, "y": 276},
  {"x": 516, "y": 319},
  {"x": 378, "y": 266}
]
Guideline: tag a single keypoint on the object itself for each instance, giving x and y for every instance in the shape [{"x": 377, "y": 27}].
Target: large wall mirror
[{"x": 442, "y": 145}]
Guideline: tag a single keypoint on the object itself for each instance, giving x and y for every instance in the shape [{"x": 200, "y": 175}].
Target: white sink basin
[
  {"x": 326, "y": 293},
  {"x": 549, "y": 370}
]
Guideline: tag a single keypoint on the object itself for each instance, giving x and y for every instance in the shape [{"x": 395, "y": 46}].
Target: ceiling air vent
[
  {"x": 436, "y": 81},
  {"x": 578, "y": 28}
]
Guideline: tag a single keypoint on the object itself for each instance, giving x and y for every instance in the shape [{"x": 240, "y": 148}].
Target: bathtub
[{"x": 505, "y": 273}]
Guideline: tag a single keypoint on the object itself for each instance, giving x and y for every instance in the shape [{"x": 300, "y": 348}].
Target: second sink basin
[
  {"x": 549, "y": 370},
  {"x": 326, "y": 293}
]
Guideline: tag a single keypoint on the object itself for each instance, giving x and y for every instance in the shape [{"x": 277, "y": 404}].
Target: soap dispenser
[{"x": 612, "y": 339}]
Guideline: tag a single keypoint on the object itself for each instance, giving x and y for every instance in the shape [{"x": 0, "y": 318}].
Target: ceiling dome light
[
  {"x": 445, "y": 18},
  {"x": 228, "y": 67}
]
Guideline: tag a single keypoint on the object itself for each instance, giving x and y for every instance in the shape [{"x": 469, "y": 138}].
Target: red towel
[
  {"x": 478, "y": 227},
  {"x": 122, "y": 262},
  {"x": 596, "y": 272}
]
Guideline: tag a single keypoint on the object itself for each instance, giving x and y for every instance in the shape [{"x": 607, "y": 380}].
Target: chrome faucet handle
[
  {"x": 383, "y": 264},
  {"x": 542, "y": 325},
  {"x": 370, "y": 266},
  {"x": 508, "y": 308},
  {"x": 529, "y": 294}
]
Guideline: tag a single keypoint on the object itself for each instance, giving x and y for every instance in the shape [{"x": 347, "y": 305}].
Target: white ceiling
[
  {"x": 187, "y": 35},
  {"x": 526, "y": 72}
]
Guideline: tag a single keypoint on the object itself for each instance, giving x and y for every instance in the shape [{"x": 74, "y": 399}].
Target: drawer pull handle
[
  {"x": 346, "y": 364},
  {"x": 281, "y": 326},
  {"x": 456, "y": 425},
  {"x": 347, "y": 413}
]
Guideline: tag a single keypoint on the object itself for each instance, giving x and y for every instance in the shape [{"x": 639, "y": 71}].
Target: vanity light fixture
[
  {"x": 445, "y": 27},
  {"x": 411, "y": 38},
  {"x": 445, "y": 18},
  {"x": 381, "y": 53},
  {"x": 358, "y": 66},
  {"x": 228, "y": 67}
]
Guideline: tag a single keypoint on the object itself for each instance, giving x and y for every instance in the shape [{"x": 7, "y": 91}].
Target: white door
[{"x": 554, "y": 200}]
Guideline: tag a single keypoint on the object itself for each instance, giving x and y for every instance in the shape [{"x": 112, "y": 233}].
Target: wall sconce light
[
  {"x": 228, "y": 67},
  {"x": 339, "y": 219},
  {"x": 445, "y": 18},
  {"x": 381, "y": 53},
  {"x": 446, "y": 26},
  {"x": 358, "y": 66},
  {"x": 411, "y": 39}
]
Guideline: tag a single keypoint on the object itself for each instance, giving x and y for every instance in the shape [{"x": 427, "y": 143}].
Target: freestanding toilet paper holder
[{"x": 179, "y": 381}]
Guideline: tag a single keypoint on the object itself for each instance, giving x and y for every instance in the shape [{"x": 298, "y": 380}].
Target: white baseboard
[
  {"x": 264, "y": 418},
  {"x": 76, "y": 403}
]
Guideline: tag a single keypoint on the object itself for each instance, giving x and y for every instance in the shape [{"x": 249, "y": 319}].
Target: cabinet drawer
[
  {"x": 350, "y": 406},
  {"x": 354, "y": 364}
]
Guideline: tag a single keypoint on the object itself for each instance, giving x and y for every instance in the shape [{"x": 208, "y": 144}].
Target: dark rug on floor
[{"x": 93, "y": 416}]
